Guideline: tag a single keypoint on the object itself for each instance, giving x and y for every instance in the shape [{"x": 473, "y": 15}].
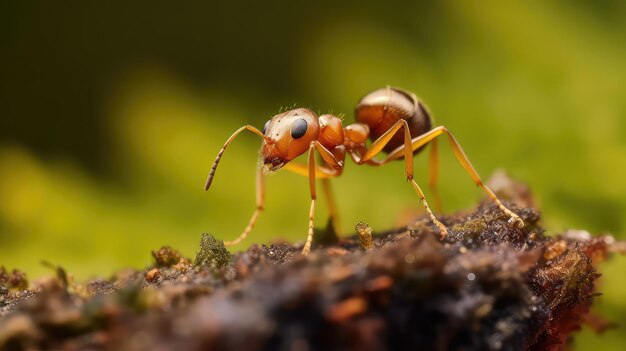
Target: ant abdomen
[{"x": 382, "y": 108}]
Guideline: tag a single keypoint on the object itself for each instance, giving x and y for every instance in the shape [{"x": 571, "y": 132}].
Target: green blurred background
[{"x": 111, "y": 114}]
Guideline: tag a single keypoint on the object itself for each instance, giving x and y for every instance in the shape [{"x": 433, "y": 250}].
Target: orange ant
[{"x": 380, "y": 115}]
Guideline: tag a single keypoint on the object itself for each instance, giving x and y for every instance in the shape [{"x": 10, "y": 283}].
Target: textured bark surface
[{"x": 487, "y": 286}]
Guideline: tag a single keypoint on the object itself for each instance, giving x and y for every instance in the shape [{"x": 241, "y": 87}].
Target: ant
[{"x": 380, "y": 115}]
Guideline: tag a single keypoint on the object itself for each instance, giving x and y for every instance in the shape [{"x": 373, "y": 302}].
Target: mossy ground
[{"x": 486, "y": 286}]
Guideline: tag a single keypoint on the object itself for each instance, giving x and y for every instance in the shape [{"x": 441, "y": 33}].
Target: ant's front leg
[
  {"x": 334, "y": 162},
  {"x": 260, "y": 205},
  {"x": 324, "y": 174},
  {"x": 309, "y": 240}
]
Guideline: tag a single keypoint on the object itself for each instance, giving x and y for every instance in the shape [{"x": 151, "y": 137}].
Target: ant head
[{"x": 287, "y": 136}]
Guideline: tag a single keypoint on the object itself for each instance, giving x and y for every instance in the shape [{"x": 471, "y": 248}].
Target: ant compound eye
[
  {"x": 267, "y": 124},
  {"x": 298, "y": 128}
]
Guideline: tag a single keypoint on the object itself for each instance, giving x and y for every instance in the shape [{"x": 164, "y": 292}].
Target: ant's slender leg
[
  {"x": 260, "y": 205},
  {"x": 378, "y": 145},
  {"x": 332, "y": 160},
  {"x": 443, "y": 231},
  {"x": 425, "y": 138},
  {"x": 324, "y": 174},
  {"x": 219, "y": 154},
  {"x": 433, "y": 173},
  {"x": 320, "y": 172},
  {"x": 307, "y": 246},
  {"x": 336, "y": 161},
  {"x": 329, "y": 157},
  {"x": 332, "y": 206}
]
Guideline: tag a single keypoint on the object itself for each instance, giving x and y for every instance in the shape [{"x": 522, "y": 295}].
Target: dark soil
[{"x": 487, "y": 286}]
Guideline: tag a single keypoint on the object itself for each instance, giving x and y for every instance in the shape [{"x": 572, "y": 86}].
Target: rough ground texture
[{"x": 487, "y": 286}]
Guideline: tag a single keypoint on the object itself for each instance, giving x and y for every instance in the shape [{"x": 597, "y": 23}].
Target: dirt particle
[
  {"x": 166, "y": 257},
  {"x": 152, "y": 275},
  {"x": 364, "y": 232},
  {"x": 380, "y": 283},
  {"x": 409, "y": 258},
  {"x": 346, "y": 309},
  {"x": 554, "y": 250},
  {"x": 15, "y": 280}
]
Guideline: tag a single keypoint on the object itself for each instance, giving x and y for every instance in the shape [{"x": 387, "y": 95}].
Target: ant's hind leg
[
  {"x": 442, "y": 228},
  {"x": 377, "y": 147},
  {"x": 433, "y": 174},
  {"x": 260, "y": 204},
  {"x": 428, "y": 137}
]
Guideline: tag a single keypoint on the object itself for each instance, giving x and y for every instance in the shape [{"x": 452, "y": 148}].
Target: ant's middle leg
[
  {"x": 433, "y": 174},
  {"x": 429, "y": 136},
  {"x": 378, "y": 145}
]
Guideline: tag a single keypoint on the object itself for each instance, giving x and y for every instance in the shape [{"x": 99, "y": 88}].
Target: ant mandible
[{"x": 380, "y": 115}]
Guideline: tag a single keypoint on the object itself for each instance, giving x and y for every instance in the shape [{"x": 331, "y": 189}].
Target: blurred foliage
[{"x": 112, "y": 115}]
